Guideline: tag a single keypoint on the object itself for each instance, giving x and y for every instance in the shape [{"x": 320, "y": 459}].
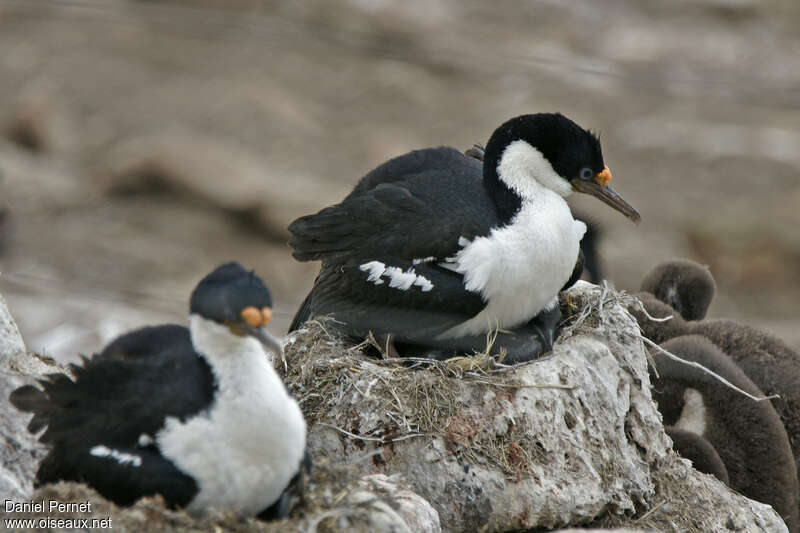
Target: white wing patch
[
  {"x": 120, "y": 457},
  {"x": 423, "y": 283},
  {"x": 398, "y": 278},
  {"x": 430, "y": 259},
  {"x": 375, "y": 269}
]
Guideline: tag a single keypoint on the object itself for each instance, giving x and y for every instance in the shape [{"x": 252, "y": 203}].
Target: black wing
[
  {"x": 415, "y": 206},
  {"x": 412, "y": 315},
  {"x": 151, "y": 341},
  {"x": 120, "y": 482},
  {"x": 117, "y": 396}
]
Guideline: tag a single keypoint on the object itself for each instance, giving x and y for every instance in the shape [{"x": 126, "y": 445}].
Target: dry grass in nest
[
  {"x": 322, "y": 369},
  {"x": 406, "y": 398}
]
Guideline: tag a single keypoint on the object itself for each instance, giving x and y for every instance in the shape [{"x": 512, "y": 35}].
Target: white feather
[
  {"x": 375, "y": 269},
  {"x": 423, "y": 283},
  {"x": 121, "y": 457},
  {"x": 525, "y": 170},
  {"x": 399, "y": 279},
  {"x": 247, "y": 446},
  {"x": 519, "y": 268}
]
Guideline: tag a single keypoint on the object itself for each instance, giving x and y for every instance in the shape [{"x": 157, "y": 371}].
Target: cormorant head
[
  {"x": 238, "y": 299},
  {"x": 550, "y": 150}
]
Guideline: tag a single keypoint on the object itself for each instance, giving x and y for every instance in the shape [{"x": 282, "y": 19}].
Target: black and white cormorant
[
  {"x": 436, "y": 248},
  {"x": 197, "y": 415}
]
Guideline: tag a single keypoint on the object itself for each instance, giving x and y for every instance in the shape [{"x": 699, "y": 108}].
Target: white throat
[
  {"x": 519, "y": 268},
  {"x": 525, "y": 171},
  {"x": 246, "y": 447},
  {"x": 219, "y": 345}
]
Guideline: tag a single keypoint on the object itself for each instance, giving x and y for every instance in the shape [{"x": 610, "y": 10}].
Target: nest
[{"x": 406, "y": 398}]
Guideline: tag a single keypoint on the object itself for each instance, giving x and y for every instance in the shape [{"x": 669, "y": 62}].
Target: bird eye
[{"x": 586, "y": 173}]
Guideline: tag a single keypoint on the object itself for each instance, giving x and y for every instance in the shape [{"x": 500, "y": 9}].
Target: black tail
[
  {"x": 33, "y": 400},
  {"x": 303, "y": 314}
]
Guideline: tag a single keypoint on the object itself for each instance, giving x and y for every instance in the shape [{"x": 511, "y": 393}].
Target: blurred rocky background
[{"x": 144, "y": 142}]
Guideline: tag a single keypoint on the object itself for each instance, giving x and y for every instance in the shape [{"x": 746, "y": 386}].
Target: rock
[
  {"x": 40, "y": 122},
  {"x": 411, "y": 510},
  {"x": 19, "y": 451},
  {"x": 11, "y": 344},
  {"x": 334, "y": 501},
  {"x": 571, "y": 439},
  {"x": 615, "y": 530},
  {"x": 567, "y": 440},
  {"x": 217, "y": 171}
]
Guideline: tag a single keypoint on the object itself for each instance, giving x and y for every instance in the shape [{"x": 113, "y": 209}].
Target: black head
[
  {"x": 238, "y": 299},
  {"x": 225, "y": 293},
  {"x": 568, "y": 147},
  {"x": 573, "y": 152}
]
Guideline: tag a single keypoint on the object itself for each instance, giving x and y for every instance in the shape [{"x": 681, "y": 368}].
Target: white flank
[
  {"x": 693, "y": 414},
  {"x": 375, "y": 269},
  {"x": 519, "y": 268},
  {"x": 247, "y": 446},
  {"x": 120, "y": 457}
]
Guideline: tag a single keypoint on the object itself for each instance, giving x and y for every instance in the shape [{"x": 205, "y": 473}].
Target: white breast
[
  {"x": 246, "y": 448},
  {"x": 519, "y": 268}
]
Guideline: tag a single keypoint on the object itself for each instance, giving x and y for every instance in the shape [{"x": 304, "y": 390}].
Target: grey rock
[
  {"x": 19, "y": 450},
  {"x": 11, "y": 343},
  {"x": 333, "y": 503},
  {"x": 393, "y": 507}
]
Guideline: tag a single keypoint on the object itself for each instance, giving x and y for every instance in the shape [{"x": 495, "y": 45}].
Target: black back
[
  {"x": 438, "y": 186},
  {"x": 406, "y": 192}
]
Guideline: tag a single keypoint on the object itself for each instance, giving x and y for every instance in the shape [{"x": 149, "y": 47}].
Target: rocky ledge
[{"x": 572, "y": 439}]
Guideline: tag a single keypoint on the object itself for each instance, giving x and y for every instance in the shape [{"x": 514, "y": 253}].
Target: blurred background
[{"x": 142, "y": 143}]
